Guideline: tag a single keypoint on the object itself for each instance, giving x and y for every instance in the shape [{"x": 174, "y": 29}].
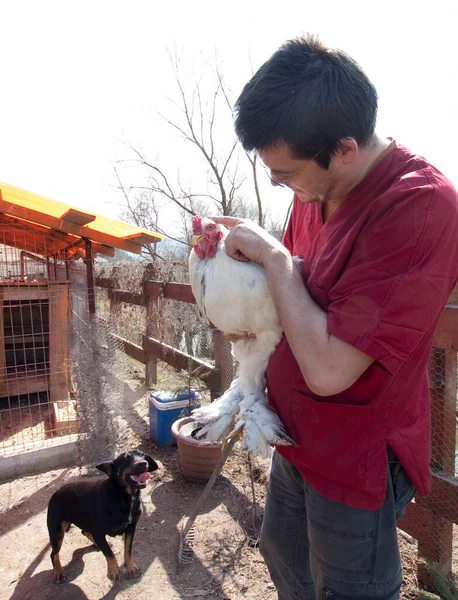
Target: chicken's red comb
[{"x": 196, "y": 224}]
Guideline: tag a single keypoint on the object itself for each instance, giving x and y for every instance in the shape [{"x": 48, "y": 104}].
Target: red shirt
[{"x": 382, "y": 266}]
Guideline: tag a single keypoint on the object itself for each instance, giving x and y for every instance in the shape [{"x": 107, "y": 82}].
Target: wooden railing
[
  {"x": 217, "y": 377},
  {"x": 429, "y": 519}
]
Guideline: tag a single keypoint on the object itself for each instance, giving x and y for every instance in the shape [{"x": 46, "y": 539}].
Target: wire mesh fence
[
  {"x": 60, "y": 370},
  {"x": 176, "y": 324},
  {"x": 63, "y": 366},
  {"x": 97, "y": 376},
  {"x": 180, "y": 326},
  {"x": 34, "y": 367},
  {"x": 441, "y": 506}
]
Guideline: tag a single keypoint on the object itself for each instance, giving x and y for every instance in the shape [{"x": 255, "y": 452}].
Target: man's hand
[
  {"x": 247, "y": 241},
  {"x": 329, "y": 365}
]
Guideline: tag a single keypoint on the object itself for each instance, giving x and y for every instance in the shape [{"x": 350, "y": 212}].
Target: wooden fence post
[
  {"x": 59, "y": 314},
  {"x": 442, "y": 370},
  {"x": 224, "y": 364},
  {"x": 115, "y": 306},
  {"x": 152, "y": 330}
]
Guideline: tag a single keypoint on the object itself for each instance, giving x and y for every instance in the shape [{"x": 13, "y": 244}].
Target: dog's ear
[
  {"x": 152, "y": 464},
  {"x": 106, "y": 467}
]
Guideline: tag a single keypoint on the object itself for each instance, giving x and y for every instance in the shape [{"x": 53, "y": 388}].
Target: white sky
[{"x": 78, "y": 78}]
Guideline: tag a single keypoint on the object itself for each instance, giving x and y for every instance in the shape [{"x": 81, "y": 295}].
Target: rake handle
[{"x": 203, "y": 497}]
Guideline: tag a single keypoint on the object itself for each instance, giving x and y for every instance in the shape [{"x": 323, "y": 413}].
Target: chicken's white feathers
[{"x": 234, "y": 297}]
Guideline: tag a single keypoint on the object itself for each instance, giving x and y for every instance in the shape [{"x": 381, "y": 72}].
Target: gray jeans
[{"x": 315, "y": 548}]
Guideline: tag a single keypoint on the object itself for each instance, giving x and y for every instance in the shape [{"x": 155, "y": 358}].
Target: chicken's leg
[
  {"x": 262, "y": 427},
  {"x": 217, "y": 418}
]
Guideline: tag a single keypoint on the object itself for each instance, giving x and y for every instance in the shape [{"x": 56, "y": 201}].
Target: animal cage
[{"x": 47, "y": 291}]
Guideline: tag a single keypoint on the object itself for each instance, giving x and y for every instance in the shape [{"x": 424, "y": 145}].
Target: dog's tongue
[{"x": 143, "y": 477}]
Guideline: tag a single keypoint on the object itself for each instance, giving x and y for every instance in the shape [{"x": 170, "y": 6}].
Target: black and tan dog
[{"x": 108, "y": 507}]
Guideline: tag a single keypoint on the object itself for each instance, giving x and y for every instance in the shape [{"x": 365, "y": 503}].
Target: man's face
[{"x": 306, "y": 178}]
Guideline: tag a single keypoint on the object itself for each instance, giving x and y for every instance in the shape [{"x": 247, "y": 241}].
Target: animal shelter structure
[{"x": 47, "y": 300}]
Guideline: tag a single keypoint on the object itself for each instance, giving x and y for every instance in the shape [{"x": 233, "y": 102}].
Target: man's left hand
[{"x": 247, "y": 241}]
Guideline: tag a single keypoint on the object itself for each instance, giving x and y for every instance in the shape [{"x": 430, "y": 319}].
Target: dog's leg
[
  {"x": 89, "y": 537},
  {"x": 132, "y": 570},
  {"x": 56, "y": 536},
  {"x": 112, "y": 563}
]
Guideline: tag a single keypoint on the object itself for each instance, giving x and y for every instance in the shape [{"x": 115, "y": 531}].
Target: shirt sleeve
[
  {"x": 288, "y": 235},
  {"x": 399, "y": 276}
]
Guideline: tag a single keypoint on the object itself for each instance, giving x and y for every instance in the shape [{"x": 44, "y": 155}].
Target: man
[{"x": 376, "y": 229}]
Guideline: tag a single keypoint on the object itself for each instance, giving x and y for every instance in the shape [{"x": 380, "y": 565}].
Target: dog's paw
[
  {"x": 132, "y": 570},
  {"x": 113, "y": 570},
  {"x": 59, "y": 576},
  {"x": 113, "y": 574}
]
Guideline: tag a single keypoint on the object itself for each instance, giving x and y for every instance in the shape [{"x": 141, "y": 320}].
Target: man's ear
[
  {"x": 348, "y": 149},
  {"x": 152, "y": 464},
  {"x": 106, "y": 467}
]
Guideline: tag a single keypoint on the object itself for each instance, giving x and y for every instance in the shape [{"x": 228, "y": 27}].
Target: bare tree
[{"x": 195, "y": 113}]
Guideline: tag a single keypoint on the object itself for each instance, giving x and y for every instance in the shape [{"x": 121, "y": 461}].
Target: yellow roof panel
[{"x": 69, "y": 219}]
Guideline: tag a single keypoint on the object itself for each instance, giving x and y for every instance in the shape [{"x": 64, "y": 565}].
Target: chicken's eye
[{"x": 210, "y": 227}]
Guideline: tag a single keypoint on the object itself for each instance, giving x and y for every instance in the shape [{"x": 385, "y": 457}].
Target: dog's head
[{"x": 130, "y": 469}]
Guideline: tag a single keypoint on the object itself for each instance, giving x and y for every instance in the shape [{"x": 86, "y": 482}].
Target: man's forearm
[{"x": 329, "y": 365}]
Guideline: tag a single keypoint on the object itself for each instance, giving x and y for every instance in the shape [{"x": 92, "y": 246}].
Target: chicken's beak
[{"x": 196, "y": 239}]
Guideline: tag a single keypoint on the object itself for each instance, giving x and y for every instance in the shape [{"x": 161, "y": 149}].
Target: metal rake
[{"x": 185, "y": 552}]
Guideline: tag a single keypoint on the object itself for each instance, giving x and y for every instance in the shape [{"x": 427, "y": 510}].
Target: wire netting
[
  {"x": 34, "y": 366},
  {"x": 97, "y": 376},
  {"x": 440, "y": 545},
  {"x": 63, "y": 368},
  {"x": 178, "y": 324}
]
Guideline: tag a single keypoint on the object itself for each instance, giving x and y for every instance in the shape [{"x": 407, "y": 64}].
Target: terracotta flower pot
[{"x": 198, "y": 458}]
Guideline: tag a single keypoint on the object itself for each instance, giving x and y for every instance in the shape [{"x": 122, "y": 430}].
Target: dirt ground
[{"x": 227, "y": 564}]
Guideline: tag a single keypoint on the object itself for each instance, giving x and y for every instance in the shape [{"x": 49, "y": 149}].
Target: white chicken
[{"x": 234, "y": 296}]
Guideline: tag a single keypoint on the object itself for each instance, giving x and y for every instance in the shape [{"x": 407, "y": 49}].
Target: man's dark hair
[{"x": 307, "y": 97}]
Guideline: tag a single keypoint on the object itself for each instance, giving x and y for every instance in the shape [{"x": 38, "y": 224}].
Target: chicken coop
[{"x": 47, "y": 303}]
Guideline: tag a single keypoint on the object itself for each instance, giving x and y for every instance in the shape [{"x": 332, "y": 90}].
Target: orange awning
[{"x": 72, "y": 222}]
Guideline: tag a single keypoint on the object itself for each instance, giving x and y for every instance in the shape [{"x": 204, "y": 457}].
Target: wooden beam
[
  {"x": 39, "y": 259},
  {"x": 104, "y": 282},
  {"x": 90, "y": 277},
  {"x": 14, "y": 385},
  {"x": 55, "y": 267},
  {"x": 442, "y": 372},
  {"x": 224, "y": 362},
  {"x": 103, "y": 249},
  {"x": 446, "y": 334},
  {"x": 59, "y": 314},
  {"x": 78, "y": 217},
  {"x": 29, "y": 291},
  {"x": 152, "y": 304},
  {"x": 96, "y": 248},
  {"x": 132, "y": 350},
  {"x": 25, "y": 225},
  {"x": 419, "y": 523},
  {"x": 65, "y": 417},
  {"x": 31, "y": 240},
  {"x": 141, "y": 237},
  {"x": 127, "y": 297},
  {"x": 453, "y": 300},
  {"x": 442, "y": 501},
  {"x": 182, "y": 361},
  {"x": 2, "y": 350},
  {"x": 181, "y": 292}
]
